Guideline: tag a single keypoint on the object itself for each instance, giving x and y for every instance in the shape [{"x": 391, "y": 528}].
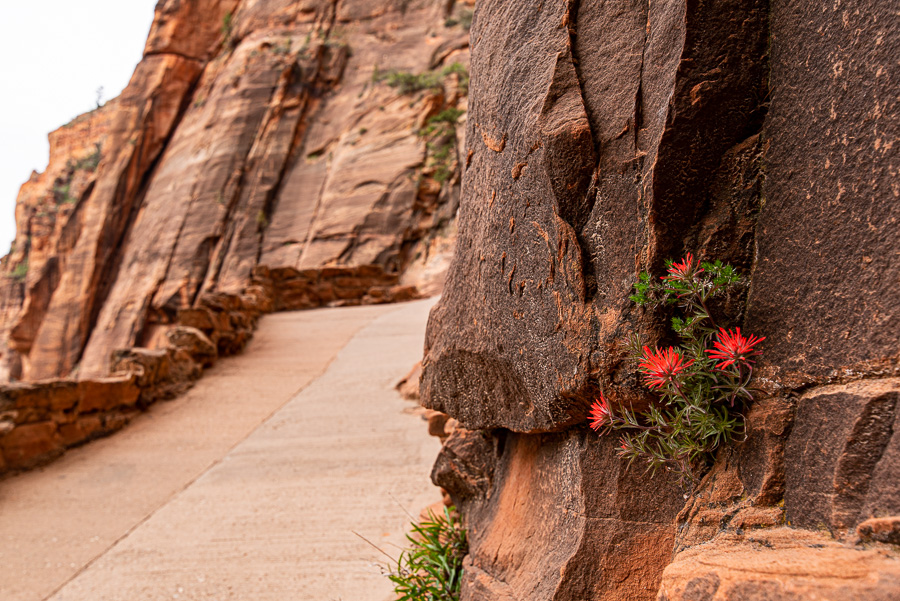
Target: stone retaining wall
[
  {"x": 292, "y": 289},
  {"x": 40, "y": 420}
]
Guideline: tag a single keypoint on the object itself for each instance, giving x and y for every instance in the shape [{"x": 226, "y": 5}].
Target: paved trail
[{"x": 247, "y": 488}]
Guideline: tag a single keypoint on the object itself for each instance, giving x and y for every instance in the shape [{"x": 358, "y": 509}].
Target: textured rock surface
[
  {"x": 48, "y": 222},
  {"x": 574, "y": 181},
  {"x": 825, "y": 292},
  {"x": 843, "y": 455},
  {"x": 252, "y": 135},
  {"x": 602, "y": 139},
  {"x": 558, "y": 517},
  {"x": 45, "y": 419},
  {"x": 781, "y": 565}
]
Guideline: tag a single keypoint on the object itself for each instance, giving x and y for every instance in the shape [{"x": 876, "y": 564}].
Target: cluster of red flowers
[
  {"x": 660, "y": 367},
  {"x": 696, "y": 382},
  {"x": 663, "y": 366}
]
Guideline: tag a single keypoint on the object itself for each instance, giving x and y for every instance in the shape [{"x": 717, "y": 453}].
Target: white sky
[{"x": 54, "y": 54}]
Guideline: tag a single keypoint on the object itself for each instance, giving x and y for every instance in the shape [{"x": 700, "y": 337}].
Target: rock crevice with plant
[
  {"x": 703, "y": 384},
  {"x": 597, "y": 147}
]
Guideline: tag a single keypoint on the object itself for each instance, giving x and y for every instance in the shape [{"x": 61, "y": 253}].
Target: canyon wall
[
  {"x": 280, "y": 154},
  {"x": 300, "y": 150},
  {"x": 604, "y": 138}
]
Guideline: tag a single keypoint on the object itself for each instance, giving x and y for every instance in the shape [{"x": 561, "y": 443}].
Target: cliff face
[
  {"x": 604, "y": 138},
  {"x": 258, "y": 145},
  {"x": 284, "y": 154}
]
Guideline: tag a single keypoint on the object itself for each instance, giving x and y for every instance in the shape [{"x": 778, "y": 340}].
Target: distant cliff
[{"x": 258, "y": 145}]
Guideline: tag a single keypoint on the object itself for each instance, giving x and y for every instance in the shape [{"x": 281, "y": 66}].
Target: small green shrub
[
  {"x": 20, "y": 271},
  {"x": 431, "y": 569},
  {"x": 440, "y": 131},
  {"x": 62, "y": 192},
  {"x": 62, "y": 186},
  {"x": 90, "y": 162},
  {"x": 463, "y": 73},
  {"x": 410, "y": 83},
  {"x": 262, "y": 222},
  {"x": 446, "y": 120},
  {"x": 227, "y": 26}
]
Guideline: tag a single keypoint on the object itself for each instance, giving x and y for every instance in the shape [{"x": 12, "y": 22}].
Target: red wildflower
[
  {"x": 600, "y": 414},
  {"x": 683, "y": 270},
  {"x": 733, "y": 347},
  {"x": 660, "y": 367}
]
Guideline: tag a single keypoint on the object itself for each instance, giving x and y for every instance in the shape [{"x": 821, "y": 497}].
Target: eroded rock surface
[
  {"x": 563, "y": 519},
  {"x": 603, "y": 139},
  {"x": 588, "y": 159},
  {"x": 781, "y": 565}
]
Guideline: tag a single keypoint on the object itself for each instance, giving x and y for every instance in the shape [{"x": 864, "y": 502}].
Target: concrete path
[{"x": 249, "y": 487}]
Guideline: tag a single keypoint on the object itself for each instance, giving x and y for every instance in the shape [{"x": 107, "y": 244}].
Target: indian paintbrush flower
[
  {"x": 661, "y": 367},
  {"x": 683, "y": 270},
  {"x": 600, "y": 415},
  {"x": 732, "y": 348}
]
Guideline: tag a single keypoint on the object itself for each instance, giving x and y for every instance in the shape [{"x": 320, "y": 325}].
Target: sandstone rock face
[
  {"x": 843, "y": 455},
  {"x": 602, "y": 139},
  {"x": 49, "y": 219},
  {"x": 258, "y": 144},
  {"x": 826, "y": 294},
  {"x": 781, "y": 565},
  {"x": 557, "y": 517},
  {"x": 576, "y": 181}
]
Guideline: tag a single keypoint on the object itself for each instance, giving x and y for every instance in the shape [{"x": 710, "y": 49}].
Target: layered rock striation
[
  {"x": 255, "y": 138},
  {"x": 602, "y": 139}
]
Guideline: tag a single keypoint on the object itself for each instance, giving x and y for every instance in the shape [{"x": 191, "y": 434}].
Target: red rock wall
[
  {"x": 604, "y": 138},
  {"x": 252, "y": 134}
]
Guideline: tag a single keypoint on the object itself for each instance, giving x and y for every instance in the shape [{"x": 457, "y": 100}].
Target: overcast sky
[{"x": 54, "y": 54}]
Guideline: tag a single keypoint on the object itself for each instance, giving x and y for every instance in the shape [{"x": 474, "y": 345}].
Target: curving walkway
[{"x": 249, "y": 487}]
